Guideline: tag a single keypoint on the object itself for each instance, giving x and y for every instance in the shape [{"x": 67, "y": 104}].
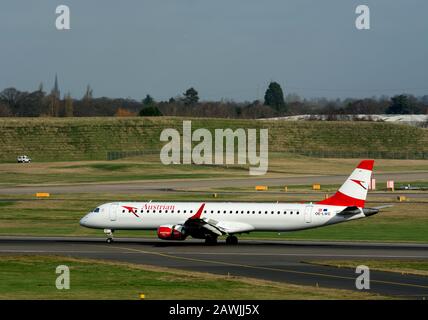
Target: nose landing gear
[{"x": 109, "y": 234}]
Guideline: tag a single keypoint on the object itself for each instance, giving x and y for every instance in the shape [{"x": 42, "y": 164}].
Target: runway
[
  {"x": 192, "y": 184},
  {"x": 282, "y": 261}
]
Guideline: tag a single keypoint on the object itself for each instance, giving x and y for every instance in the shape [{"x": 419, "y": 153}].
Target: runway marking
[
  {"x": 298, "y": 255},
  {"x": 222, "y": 253},
  {"x": 266, "y": 268}
]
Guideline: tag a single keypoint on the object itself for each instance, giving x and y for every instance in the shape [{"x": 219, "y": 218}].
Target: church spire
[{"x": 55, "y": 90}]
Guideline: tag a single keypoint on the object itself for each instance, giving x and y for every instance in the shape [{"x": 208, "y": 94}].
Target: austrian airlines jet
[{"x": 209, "y": 220}]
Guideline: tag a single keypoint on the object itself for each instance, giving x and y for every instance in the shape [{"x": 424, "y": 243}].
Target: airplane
[{"x": 210, "y": 220}]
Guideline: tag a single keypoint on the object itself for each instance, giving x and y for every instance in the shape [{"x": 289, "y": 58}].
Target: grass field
[
  {"x": 418, "y": 267},
  {"x": 405, "y": 222},
  {"x": 33, "y": 277},
  {"x": 150, "y": 168},
  {"x": 66, "y": 139}
]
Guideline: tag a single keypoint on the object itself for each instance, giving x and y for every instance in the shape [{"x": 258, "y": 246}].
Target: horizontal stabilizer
[{"x": 348, "y": 211}]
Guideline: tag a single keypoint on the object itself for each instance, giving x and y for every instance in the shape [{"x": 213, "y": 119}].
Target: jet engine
[{"x": 172, "y": 232}]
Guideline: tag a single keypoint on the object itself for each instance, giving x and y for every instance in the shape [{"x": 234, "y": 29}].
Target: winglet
[{"x": 197, "y": 215}]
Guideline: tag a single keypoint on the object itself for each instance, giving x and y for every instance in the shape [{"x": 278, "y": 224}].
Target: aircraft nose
[{"x": 84, "y": 221}]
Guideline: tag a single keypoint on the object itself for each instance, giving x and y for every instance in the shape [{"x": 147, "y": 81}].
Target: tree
[
  {"x": 191, "y": 97},
  {"x": 88, "y": 93},
  {"x": 4, "y": 110},
  {"x": 400, "y": 104},
  {"x": 151, "y": 111},
  {"x": 69, "y": 112},
  {"x": 148, "y": 100},
  {"x": 12, "y": 98},
  {"x": 274, "y": 97},
  {"x": 122, "y": 112}
]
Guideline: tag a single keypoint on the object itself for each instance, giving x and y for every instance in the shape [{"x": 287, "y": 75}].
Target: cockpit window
[{"x": 97, "y": 210}]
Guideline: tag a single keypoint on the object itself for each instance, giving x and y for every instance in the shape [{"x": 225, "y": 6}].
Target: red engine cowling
[{"x": 171, "y": 232}]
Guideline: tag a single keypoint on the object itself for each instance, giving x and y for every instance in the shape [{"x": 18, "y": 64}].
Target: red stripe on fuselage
[{"x": 340, "y": 199}]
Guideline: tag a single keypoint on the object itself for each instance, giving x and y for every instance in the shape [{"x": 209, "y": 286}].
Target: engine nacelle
[{"x": 172, "y": 232}]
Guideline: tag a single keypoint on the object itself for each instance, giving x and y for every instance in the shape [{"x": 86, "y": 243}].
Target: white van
[{"x": 23, "y": 159}]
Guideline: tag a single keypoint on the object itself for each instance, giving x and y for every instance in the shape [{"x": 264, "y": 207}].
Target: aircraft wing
[{"x": 219, "y": 227}]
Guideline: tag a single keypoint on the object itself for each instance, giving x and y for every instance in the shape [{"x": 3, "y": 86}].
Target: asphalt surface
[
  {"x": 283, "y": 261},
  {"x": 192, "y": 184}
]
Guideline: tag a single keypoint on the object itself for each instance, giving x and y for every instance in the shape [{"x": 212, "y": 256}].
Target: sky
[{"x": 226, "y": 49}]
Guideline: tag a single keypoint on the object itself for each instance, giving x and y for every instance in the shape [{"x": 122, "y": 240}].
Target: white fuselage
[{"x": 261, "y": 216}]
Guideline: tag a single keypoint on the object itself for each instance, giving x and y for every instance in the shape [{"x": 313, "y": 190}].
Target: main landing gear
[
  {"x": 211, "y": 240},
  {"x": 232, "y": 240},
  {"x": 109, "y": 234}
]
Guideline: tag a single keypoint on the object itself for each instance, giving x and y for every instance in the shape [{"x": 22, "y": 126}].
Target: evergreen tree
[
  {"x": 151, "y": 111},
  {"x": 148, "y": 100},
  {"x": 400, "y": 105},
  {"x": 191, "y": 97},
  {"x": 274, "y": 97}
]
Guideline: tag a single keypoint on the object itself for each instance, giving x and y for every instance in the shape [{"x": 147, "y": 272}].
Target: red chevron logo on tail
[{"x": 360, "y": 183}]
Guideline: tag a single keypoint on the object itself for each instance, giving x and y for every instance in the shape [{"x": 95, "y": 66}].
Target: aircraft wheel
[
  {"x": 232, "y": 240},
  {"x": 109, "y": 240}
]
